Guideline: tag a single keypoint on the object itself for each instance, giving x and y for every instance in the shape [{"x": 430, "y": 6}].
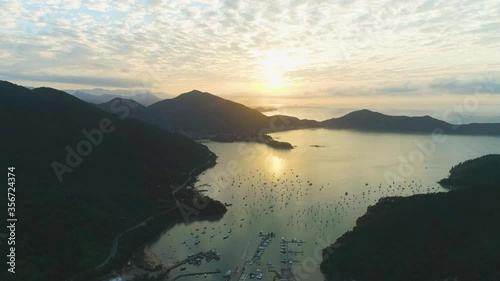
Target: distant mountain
[
  {"x": 366, "y": 120},
  {"x": 127, "y": 108},
  {"x": 98, "y": 96},
  {"x": 83, "y": 175},
  {"x": 265, "y": 109},
  {"x": 205, "y": 114},
  {"x": 374, "y": 121},
  {"x": 202, "y": 112},
  {"x": 290, "y": 122}
]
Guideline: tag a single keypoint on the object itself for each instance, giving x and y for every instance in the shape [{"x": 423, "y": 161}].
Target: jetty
[
  {"x": 197, "y": 274},
  {"x": 195, "y": 259}
]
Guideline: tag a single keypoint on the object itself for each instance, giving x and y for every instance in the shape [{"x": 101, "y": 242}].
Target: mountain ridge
[
  {"x": 243, "y": 118},
  {"x": 89, "y": 173},
  {"x": 98, "y": 96},
  {"x": 128, "y": 108},
  {"x": 202, "y": 115},
  {"x": 203, "y": 112}
]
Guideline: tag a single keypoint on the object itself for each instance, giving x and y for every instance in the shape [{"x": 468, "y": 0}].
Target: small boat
[{"x": 225, "y": 237}]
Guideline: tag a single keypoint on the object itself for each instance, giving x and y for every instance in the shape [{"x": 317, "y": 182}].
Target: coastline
[
  {"x": 245, "y": 137},
  {"x": 152, "y": 257},
  {"x": 410, "y": 236},
  {"x": 146, "y": 248},
  {"x": 150, "y": 230}
]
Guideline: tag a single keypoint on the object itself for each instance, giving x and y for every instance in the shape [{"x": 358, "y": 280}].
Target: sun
[
  {"x": 275, "y": 79},
  {"x": 275, "y": 67}
]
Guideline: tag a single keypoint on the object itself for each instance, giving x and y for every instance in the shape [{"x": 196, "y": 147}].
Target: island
[
  {"x": 252, "y": 137},
  {"x": 265, "y": 109},
  {"x": 443, "y": 236}
]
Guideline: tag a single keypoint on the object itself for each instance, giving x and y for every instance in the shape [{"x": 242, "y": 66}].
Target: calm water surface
[{"x": 313, "y": 193}]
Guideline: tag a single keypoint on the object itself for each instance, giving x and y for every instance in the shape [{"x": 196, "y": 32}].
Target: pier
[
  {"x": 197, "y": 274},
  {"x": 246, "y": 249},
  {"x": 195, "y": 259},
  {"x": 246, "y": 270}
]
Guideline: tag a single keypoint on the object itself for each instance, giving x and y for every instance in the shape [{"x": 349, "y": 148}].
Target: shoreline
[
  {"x": 146, "y": 248},
  {"x": 119, "y": 262},
  {"x": 153, "y": 257}
]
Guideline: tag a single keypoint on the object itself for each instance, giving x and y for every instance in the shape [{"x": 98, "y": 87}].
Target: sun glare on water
[{"x": 275, "y": 164}]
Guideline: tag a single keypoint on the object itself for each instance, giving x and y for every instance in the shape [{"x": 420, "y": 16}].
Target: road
[{"x": 116, "y": 239}]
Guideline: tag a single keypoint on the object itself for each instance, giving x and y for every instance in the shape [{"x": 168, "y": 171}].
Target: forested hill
[
  {"x": 82, "y": 176},
  {"x": 443, "y": 236}
]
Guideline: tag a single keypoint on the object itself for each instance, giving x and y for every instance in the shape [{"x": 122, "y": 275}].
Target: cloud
[
  {"x": 404, "y": 88},
  {"x": 455, "y": 86},
  {"x": 479, "y": 83},
  {"x": 80, "y": 80},
  {"x": 221, "y": 42}
]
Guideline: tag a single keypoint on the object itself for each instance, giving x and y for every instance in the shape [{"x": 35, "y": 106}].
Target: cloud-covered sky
[{"x": 233, "y": 47}]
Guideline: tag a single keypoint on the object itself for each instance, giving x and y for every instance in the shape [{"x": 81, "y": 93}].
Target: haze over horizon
[{"x": 259, "y": 50}]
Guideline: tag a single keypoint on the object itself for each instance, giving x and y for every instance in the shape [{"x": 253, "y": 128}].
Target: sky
[{"x": 253, "y": 49}]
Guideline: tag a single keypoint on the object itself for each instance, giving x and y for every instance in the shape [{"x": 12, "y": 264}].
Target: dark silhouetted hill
[
  {"x": 366, "y": 120},
  {"x": 478, "y": 172},
  {"x": 66, "y": 227},
  {"x": 197, "y": 111},
  {"x": 127, "y": 108},
  {"x": 443, "y": 236},
  {"x": 98, "y": 96}
]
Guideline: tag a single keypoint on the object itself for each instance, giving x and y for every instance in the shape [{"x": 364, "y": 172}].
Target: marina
[
  {"x": 296, "y": 195},
  {"x": 249, "y": 269},
  {"x": 196, "y": 259}
]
